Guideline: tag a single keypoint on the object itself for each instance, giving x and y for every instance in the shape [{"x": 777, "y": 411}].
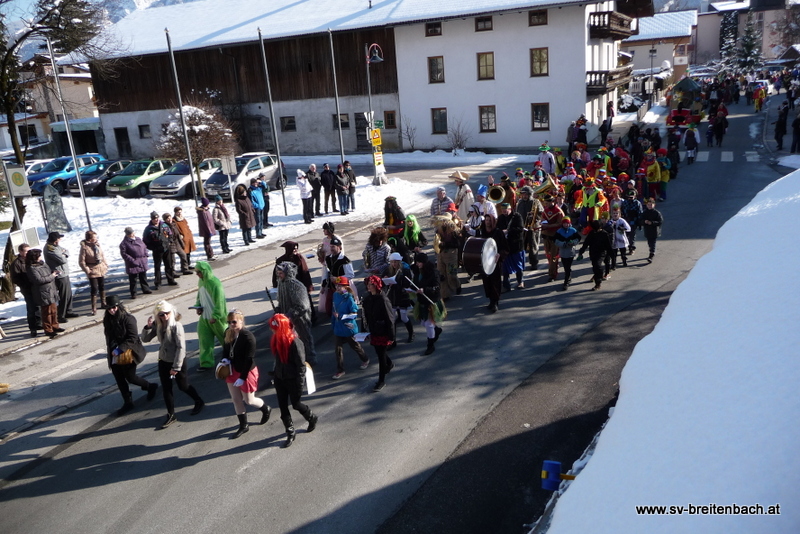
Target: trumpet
[{"x": 496, "y": 194}]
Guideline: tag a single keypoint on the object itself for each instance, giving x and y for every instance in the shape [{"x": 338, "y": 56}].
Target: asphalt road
[{"x": 454, "y": 443}]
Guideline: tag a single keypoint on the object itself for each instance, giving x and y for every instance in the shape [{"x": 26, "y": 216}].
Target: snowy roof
[
  {"x": 208, "y": 23},
  {"x": 665, "y": 26},
  {"x": 730, "y": 5},
  {"x": 77, "y": 125}
]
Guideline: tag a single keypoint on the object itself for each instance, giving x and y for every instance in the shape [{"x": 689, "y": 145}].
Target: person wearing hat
[
  {"x": 336, "y": 265},
  {"x": 551, "y": 222},
  {"x": 19, "y": 276},
  {"x": 257, "y": 201},
  {"x": 530, "y": 209},
  {"x": 222, "y": 223},
  {"x": 295, "y": 302},
  {"x": 244, "y": 208},
  {"x": 122, "y": 335},
  {"x": 93, "y": 262},
  {"x": 449, "y": 243},
  {"x": 172, "y": 366},
  {"x": 289, "y": 375},
  {"x": 429, "y": 308},
  {"x": 134, "y": 254},
  {"x": 440, "y": 204},
  {"x": 176, "y": 245},
  {"x": 547, "y": 159},
  {"x": 57, "y": 258},
  {"x": 328, "y": 180},
  {"x": 344, "y": 325},
  {"x": 566, "y": 239},
  {"x": 205, "y": 227},
  {"x": 398, "y": 280},
  {"x": 473, "y": 224},
  {"x": 393, "y": 217},
  {"x": 691, "y": 140},
  {"x": 324, "y": 247},
  {"x": 212, "y": 309},
  {"x": 186, "y": 239},
  {"x": 464, "y": 197},
  {"x": 157, "y": 236},
  {"x": 561, "y": 161},
  {"x": 352, "y": 181},
  {"x": 652, "y": 220},
  {"x": 492, "y": 282},
  {"x": 485, "y": 207},
  {"x": 512, "y": 223},
  {"x": 510, "y": 191},
  {"x": 306, "y": 196},
  {"x": 342, "y": 187},
  {"x": 379, "y": 317},
  {"x": 42, "y": 280},
  {"x": 291, "y": 254},
  {"x": 589, "y": 202},
  {"x": 653, "y": 169},
  {"x": 618, "y": 228}
]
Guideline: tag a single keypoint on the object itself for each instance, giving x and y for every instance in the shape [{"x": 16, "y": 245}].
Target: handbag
[{"x": 125, "y": 358}]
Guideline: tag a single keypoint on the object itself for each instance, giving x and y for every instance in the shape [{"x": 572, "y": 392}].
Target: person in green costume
[{"x": 213, "y": 310}]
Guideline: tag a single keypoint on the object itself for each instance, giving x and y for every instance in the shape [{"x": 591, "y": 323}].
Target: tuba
[
  {"x": 496, "y": 194},
  {"x": 547, "y": 185}
]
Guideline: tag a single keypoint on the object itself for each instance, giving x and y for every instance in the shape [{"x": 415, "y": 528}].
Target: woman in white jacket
[
  {"x": 306, "y": 195},
  {"x": 618, "y": 228}
]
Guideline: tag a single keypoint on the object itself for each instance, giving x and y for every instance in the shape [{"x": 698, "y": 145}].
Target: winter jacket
[
  {"x": 438, "y": 207},
  {"x": 379, "y": 315},
  {"x": 43, "y": 285},
  {"x": 398, "y": 296},
  {"x": 315, "y": 180},
  {"x": 618, "y": 230},
  {"x": 244, "y": 207},
  {"x": 351, "y": 180},
  {"x": 172, "y": 348},
  {"x": 566, "y": 240},
  {"x": 242, "y": 353},
  {"x": 157, "y": 237},
  {"x": 632, "y": 212},
  {"x": 222, "y": 219},
  {"x": 256, "y": 197},
  {"x": 342, "y": 184},
  {"x": 344, "y": 304},
  {"x": 328, "y": 180},
  {"x": 176, "y": 241},
  {"x": 19, "y": 275},
  {"x": 121, "y": 332},
  {"x": 293, "y": 296},
  {"x": 186, "y": 234},
  {"x": 134, "y": 253},
  {"x": 295, "y": 366},
  {"x": 304, "y": 186},
  {"x": 92, "y": 260},
  {"x": 205, "y": 222},
  {"x": 57, "y": 258},
  {"x": 652, "y": 230},
  {"x": 598, "y": 242}
]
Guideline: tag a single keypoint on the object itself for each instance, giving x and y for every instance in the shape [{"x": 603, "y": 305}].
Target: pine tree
[
  {"x": 729, "y": 28},
  {"x": 749, "y": 53}
]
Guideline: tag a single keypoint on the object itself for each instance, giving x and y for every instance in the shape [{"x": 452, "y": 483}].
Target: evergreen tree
[
  {"x": 727, "y": 41},
  {"x": 749, "y": 54}
]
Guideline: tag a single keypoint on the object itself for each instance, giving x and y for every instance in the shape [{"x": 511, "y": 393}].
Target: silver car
[
  {"x": 247, "y": 166},
  {"x": 177, "y": 181}
]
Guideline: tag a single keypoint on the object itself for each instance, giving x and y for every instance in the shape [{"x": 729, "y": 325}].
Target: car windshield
[
  {"x": 137, "y": 168},
  {"x": 218, "y": 178},
  {"x": 179, "y": 168},
  {"x": 56, "y": 165},
  {"x": 95, "y": 168}
]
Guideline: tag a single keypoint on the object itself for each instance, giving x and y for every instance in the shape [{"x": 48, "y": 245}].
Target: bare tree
[
  {"x": 210, "y": 135},
  {"x": 788, "y": 26},
  {"x": 458, "y": 135},
  {"x": 408, "y": 132}
]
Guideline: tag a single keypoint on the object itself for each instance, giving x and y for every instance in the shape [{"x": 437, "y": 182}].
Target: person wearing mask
[
  {"x": 125, "y": 351},
  {"x": 379, "y": 316},
  {"x": 239, "y": 351},
  {"x": 156, "y": 237},
  {"x": 316, "y": 187},
  {"x": 342, "y": 187},
  {"x": 187, "y": 239},
  {"x": 295, "y": 303},
  {"x": 19, "y": 276},
  {"x": 205, "y": 226},
  {"x": 57, "y": 258},
  {"x": 43, "y": 287},
  {"x": 244, "y": 207},
  {"x": 257, "y": 200},
  {"x": 343, "y": 323},
  {"x": 93, "y": 262},
  {"x": 328, "y": 180},
  {"x": 306, "y": 196},
  {"x": 222, "y": 223},
  {"x": 289, "y": 375},
  {"x": 212, "y": 309},
  {"x": 172, "y": 367},
  {"x": 351, "y": 185},
  {"x": 134, "y": 254}
]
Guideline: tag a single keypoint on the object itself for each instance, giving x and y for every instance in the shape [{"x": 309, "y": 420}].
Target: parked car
[
  {"x": 177, "y": 181},
  {"x": 32, "y": 166},
  {"x": 135, "y": 179},
  {"x": 95, "y": 176},
  {"x": 58, "y": 172},
  {"x": 247, "y": 166}
]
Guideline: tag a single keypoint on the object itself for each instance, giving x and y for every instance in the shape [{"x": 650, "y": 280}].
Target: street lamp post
[
  {"x": 373, "y": 55},
  {"x": 653, "y": 53}
]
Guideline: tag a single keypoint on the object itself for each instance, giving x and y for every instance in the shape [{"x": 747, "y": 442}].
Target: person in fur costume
[
  {"x": 213, "y": 311},
  {"x": 296, "y": 305}
]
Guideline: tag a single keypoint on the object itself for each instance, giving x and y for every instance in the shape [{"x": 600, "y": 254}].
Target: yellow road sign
[
  {"x": 375, "y": 135},
  {"x": 378, "y": 158}
]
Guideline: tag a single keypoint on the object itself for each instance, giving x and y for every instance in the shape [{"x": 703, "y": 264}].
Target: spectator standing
[
  {"x": 262, "y": 183},
  {"x": 257, "y": 200},
  {"x": 244, "y": 207},
  {"x": 205, "y": 226},
  {"x": 43, "y": 287},
  {"x": 342, "y": 186},
  {"x": 316, "y": 187},
  {"x": 222, "y": 223},
  {"x": 187, "y": 239},
  {"x": 93, "y": 262},
  {"x": 177, "y": 244},
  {"x": 157, "y": 236},
  {"x": 57, "y": 258},
  {"x": 134, "y": 254},
  {"x": 306, "y": 196},
  {"x": 19, "y": 276},
  {"x": 328, "y": 179},
  {"x": 351, "y": 185}
]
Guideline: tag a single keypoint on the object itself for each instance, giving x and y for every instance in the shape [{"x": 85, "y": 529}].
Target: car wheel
[
  {"x": 143, "y": 190},
  {"x": 59, "y": 186},
  {"x": 280, "y": 183}
]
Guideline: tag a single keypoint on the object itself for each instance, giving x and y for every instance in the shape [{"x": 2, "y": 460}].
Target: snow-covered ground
[
  {"x": 793, "y": 161},
  {"x": 708, "y": 406}
]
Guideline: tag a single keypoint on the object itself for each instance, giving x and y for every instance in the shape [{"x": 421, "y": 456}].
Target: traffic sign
[
  {"x": 378, "y": 156},
  {"x": 379, "y": 125},
  {"x": 375, "y": 135}
]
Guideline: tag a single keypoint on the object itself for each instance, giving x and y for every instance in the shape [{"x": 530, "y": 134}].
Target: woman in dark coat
[
  {"x": 43, "y": 289},
  {"x": 429, "y": 309},
  {"x": 239, "y": 352},
  {"x": 205, "y": 226},
  {"x": 122, "y": 334},
  {"x": 289, "y": 374},
  {"x": 134, "y": 253},
  {"x": 342, "y": 186},
  {"x": 379, "y": 316},
  {"x": 244, "y": 207}
]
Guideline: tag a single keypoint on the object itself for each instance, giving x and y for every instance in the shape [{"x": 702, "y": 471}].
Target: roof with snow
[
  {"x": 731, "y": 5},
  {"x": 207, "y": 23},
  {"x": 665, "y": 26}
]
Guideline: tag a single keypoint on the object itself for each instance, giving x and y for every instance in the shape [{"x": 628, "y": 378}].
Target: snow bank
[{"x": 792, "y": 161}]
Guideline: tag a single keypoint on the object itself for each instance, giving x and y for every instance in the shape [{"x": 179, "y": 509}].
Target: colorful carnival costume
[{"x": 213, "y": 312}]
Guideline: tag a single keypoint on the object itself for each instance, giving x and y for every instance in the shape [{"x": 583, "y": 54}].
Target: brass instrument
[
  {"x": 496, "y": 194},
  {"x": 548, "y": 184}
]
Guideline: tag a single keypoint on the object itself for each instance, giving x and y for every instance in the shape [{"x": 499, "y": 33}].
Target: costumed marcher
[
  {"x": 394, "y": 218},
  {"x": 429, "y": 308},
  {"x": 379, "y": 316},
  {"x": 447, "y": 259},
  {"x": 474, "y": 222},
  {"x": 618, "y": 228},
  {"x": 172, "y": 366},
  {"x": 485, "y": 207},
  {"x": 652, "y": 220},
  {"x": 566, "y": 239},
  {"x": 515, "y": 261},
  {"x": 589, "y": 203},
  {"x": 156, "y": 237},
  {"x": 376, "y": 252},
  {"x": 57, "y": 258},
  {"x": 43, "y": 287},
  {"x": 690, "y": 141},
  {"x": 491, "y": 282},
  {"x": 510, "y": 189},
  {"x": 653, "y": 169},
  {"x": 442, "y": 203},
  {"x": 345, "y": 327},
  {"x": 336, "y": 265},
  {"x": 239, "y": 351},
  {"x": 412, "y": 235},
  {"x": 134, "y": 254},
  {"x": 19, "y": 276},
  {"x": 632, "y": 212},
  {"x": 464, "y": 197},
  {"x": 289, "y": 375},
  {"x": 398, "y": 280},
  {"x": 222, "y": 223},
  {"x": 124, "y": 351},
  {"x": 547, "y": 159},
  {"x": 599, "y": 244},
  {"x": 295, "y": 303},
  {"x": 93, "y": 262},
  {"x": 187, "y": 239},
  {"x": 212, "y": 309},
  {"x": 551, "y": 222},
  {"x": 530, "y": 209}
]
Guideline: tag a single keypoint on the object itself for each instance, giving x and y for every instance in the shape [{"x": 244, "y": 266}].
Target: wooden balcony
[
  {"x": 600, "y": 82},
  {"x": 610, "y": 25}
]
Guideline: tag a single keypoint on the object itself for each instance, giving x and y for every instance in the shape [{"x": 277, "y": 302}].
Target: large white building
[{"x": 507, "y": 74}]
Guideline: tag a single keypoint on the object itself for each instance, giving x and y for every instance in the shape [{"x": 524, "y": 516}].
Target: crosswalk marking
[
  {"x": 702, "y": 157},
  {"x": 752, "y": 157},
  {"x": 727, "y": 156}
]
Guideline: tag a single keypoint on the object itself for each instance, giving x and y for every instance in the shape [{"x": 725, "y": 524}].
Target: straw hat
[{"x": 458, "y": 175}]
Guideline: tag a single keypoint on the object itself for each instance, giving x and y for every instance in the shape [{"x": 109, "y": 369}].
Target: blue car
[{"x": 58, "y": 172}]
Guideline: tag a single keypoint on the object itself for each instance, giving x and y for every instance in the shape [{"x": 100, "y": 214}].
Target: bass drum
[{"x": 480, "y": 256}]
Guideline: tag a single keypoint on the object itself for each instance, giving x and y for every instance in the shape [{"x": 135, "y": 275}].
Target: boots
[
  {"x": 128, "y": 406},
  {"x": 94, "y": 304},
  {"x": 103, "y": 299},
  {"x": 243, "y": 427},
  {"x": 430, "y": 348},
  {"x": 265, "y": 413},
  {"x": 437, "y": 332},
  {"x": 410, "y": 328},
  {"x": 312, "y": 421},
  {"x": 289, "y": 435}
]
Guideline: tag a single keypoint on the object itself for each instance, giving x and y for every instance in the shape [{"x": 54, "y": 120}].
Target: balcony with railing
[
  {"x": 599, "y": 82},
  {"x": 610, "y": 25}
]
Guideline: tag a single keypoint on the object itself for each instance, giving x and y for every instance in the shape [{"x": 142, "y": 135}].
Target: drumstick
[{"x": 417, "y": 288}]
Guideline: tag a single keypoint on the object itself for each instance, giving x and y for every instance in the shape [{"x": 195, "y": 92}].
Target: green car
[{"x": 134, "y": 180}]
